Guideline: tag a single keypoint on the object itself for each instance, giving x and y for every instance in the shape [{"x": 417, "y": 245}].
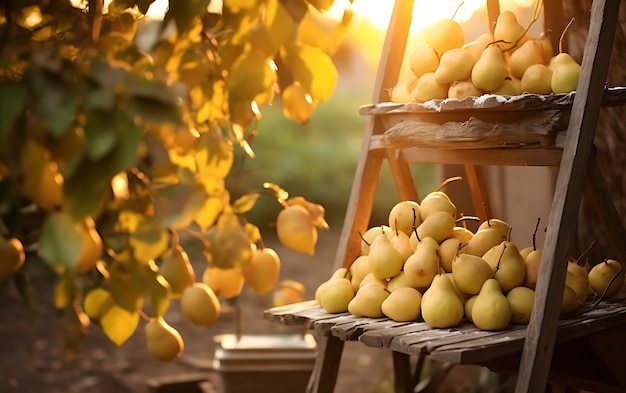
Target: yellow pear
[
  {"x": 531, "y": 52},
  {"x": 437, "y": 201},
  {"x": 398, "y": 281},
  {"x": 297, "y": 104},
  {"x": 501, "y": 226},
  {"x": 358, "y": 270},
  {"x": 470, "y": 272},
  {"x": 521, "y": 300},
  {"x": 569, "y": 303},
  {"x": 402, "y": 243},
  {"x": 455, "y": 65},
  {"x": 510, "y": 87},
  {"x": 463, "y": 234},
  {"x": 532, "y": 261},
  {"x": 91, "y": 248},
  {"x": 336, "y": 295},
  {"x": 341, "y": 272},
  {"x": 164, "y": 342},
  {"x": 427, "y": 88},
  {"x": 369, "y": 236},
  {"x": 371, "y": 278},
  {"x": 200, "y": 305},
  {"x": 469, "y": 304},
  {"x": 546, "y": 44},
  {"x": 423, "y": 59},
  {"x": 441, "y": 307},
  {"x": 443, "y": 35},
  {"x": 262, "y": 273},
  {"x": 600, "y": 277},
  {"x": 226, "y": 283},
  {"x": 490, "y": 70},
  {"x": 401, "y": 91},
  {"x": 508, "y": 31},
  {"x": 368, "y": 300},
  {"x": 177, "y": 270},
  {"x": 579, "y": 283},
  {"x": 12, "y": 256},
  {"x": 491, "y": 310},
  {"x": 463, "y": 89},
  {"x": 476, "y": 47},
  {"x": 508, "y": 265},
  {"x": 295, "y": 229},
  {"x": 462, "y": 296},
  {"x": 565, "y": 74},
  {"x": 402, "y": 305},
  {"x": 537, "y": 79},
  {"x": 384, "y": 260},
  {"x": 482, "y": 241},
  {"x": 438, "y": 225},
  {"x": 423, "y": 265},
  {"x": 448, "y": 249},
  {"x": 404, "y": 216}
]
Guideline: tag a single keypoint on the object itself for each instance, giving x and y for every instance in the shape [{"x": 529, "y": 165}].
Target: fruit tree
[{"x": 117, "y": 134}]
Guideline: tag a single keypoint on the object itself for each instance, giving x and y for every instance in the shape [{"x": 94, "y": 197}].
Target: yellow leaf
[
  {"x": 126, "y": 283},
  {"x": 119, "y": 324},
  {"x": 313, "y": 68},
  {"x": 209, "y": 212},
  {"x": 245, "y": 203},
  {"x": 251, "y": 77},
  {"x": 96, "y": 302}
]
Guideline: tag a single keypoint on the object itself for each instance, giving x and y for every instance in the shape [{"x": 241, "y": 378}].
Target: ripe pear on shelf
[
  {"x": 384, "y": 260},
  {"x": 436, "y": 201},
  {"x": 403, "y": 216},
  {"x": 358, "y": 270},
  {"x": 398, "y": 281},
  {"x": 508, "y": 265},
  {"x": 369, "y": 236},
  {"x": 510, "y": 87},
  {"x": 371, "y": 278},
  {"x": 546, "y": 43},
  {"x": 463, "y": 89},
  {"x": 469, "y": 304},
  {"x": 423, "y": 265},
  {"x": 495, "y": 223},
  {"x": 532, "y": 262},
  {"x": 483, "y": 240},
  {"x": 341, "y": 272},
  {"x": 531, "y": 52},
  {"x": 443, "y": 35},
  {"x": 521, "y": 299},
  {"x": 578, "y": 282},
  {"x": 470, "y": 272},
  {"x": 537, "y": 79},
  {"x": 403, "y": 305},
  {"x": 401, "y": 91},
  {"x": 462, "y": 233},
  {"x": 455, "y": 65},
  {"x": 335, "y": 295},
  {"x": 368, "y": 301},
  {"x": 448, "y": 249},
  {"x": 438, "y": 225},
  {"x": 490, "y": 70},
  {"x": 423, "y": 59},
  {"x": 476, "y": 47},
  {"x": 570, "y": 302},
  {"x": 427, "y": 88},
  {"x": 565, "y": 73},
  {"x": 401, "y": 242},
  {"x": 600, "y": 277},
  {"x": 508, "y": 32},
  {"x": 441, "y": 307},
  {"x": 491, "y": 310},
  {"x": 462, "y": 295},
  {"x": 164, "y": 342}
]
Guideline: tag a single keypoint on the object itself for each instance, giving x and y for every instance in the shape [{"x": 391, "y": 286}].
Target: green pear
[
  {"x": 369, "y": 236},
  {"x": 482, "y": 241},
  {"x": 448, "y": 250},
  {"x": 491, "y": 310},
  {"x": 470, "y": 272},
  {"x": 427, "y": 88},
  {"x": 463, "y": 89},
  {"x": 601, "y": 275},
  {"x": 423, "y": 59},
  {"x": 336, "y": 295},
  {"x": 441, "y": 307},
  {"x": 565, "y": 74},
  {"x": 368, "y": 301},
  {"x": 384, "y": 260},
  {"x": 404, "y": 216},
  {"x": 521, "y": 300},
  {"x": 537, "y": 79},
  {"x": 508, "y": 264},
  {"x": 455, "y": 65},
  {"x": 403, "y": 304},
  {"x": 531, "y": 52},
  {"x": 490, "y": 70},
  {"x": 443, "y": 35},
  {"x": 423, "y": 265},
  {"x": 532, "y": 262},
  {"x": 438, "y": 225},
  {"x": 476, "y": 47},
  {"x": 507, "y": 31},
  {"x": 358, "y": 270}
]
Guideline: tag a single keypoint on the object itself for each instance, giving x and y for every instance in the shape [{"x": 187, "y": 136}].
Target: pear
[
  {"x": 524, "y": 252},
  {"x": 91, "y": 248},
  {"x": 177, "y": 270},
  {"x": 565, "y": 73},
  {"x": 476, "y": 47},
  {"x": 226, "y": 283},
  {"x": 443, "y": 35},
  {"x": 12, "y": 256},
  {"x": 463, "y": 234},
  {"x": 469, "y": 304},
  {"x": 482, "y": 241},
  {"x": 371, "y": 278},
  {"x": 463, "y": 89},
  {"x": 200, "y": 305},
  {"x": 546, "y": 44},
  {"x": 437, "y": 201},
  {"x": 501, "y": 226},
  {"x": 579, "y": 283},
  {"x": 368, "y": 301},
  {"x": 335, "y": 295},
  {"x": 296, "y": 230},
  {"x": 510, "y": 87},
  {"x": 508, "y": 264},
  {"x": 490, "y": 70},
  {"x": 404, "y": 216},
  {"x": 401, "y": 91},
  {"x": 531, "y": 52},
  {"x": 438, "y": 225},
  {"x": 399, "y": 281},
  {"x": 470, "y": 272},
  {"x": 403, "y": 304},
  {"x": 601, "y": 275},
  {"x": 358, "y": 270},
  {"x": 427, "y": 88},
  {"x": 441, "y": 307},
  {"x": 369, "y": 236},
  {"x": 448, "y": 249},
  {"x": 384, "y": 260},
  {"x": 462, "y": 296},
  {"x": 455, "y": 65},
  {"x": 401, "y": 242},
  {"x": 163, "y": 341},
  {"x": 569, "y": 303},
  {"x": 262, "y": 273},
  {"x": 537, "y": 79},
  {"x": 423, "y": 59},
  {"x": 532, "y": 261},
  {"x": 341, "y": 272},
  {"x": 508, "y": 31},
  {"x": 423, "y": 265},
  {"x": 491, "y": 310},
  {"x": 521, "y": 300}
]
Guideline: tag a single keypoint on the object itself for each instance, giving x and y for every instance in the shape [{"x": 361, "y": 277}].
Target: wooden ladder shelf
[{"x": 577, "y": 171}]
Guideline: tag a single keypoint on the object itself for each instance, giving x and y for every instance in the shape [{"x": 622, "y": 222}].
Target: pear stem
[
  {"x": 585, "y": 252},
  {"x": 416, "y": 235},
  {"x": 535, "y": 234},
  {"x": 448, "y": 180},
  {"x": 143, "y": 315},
  {"x": 457, "y": 9},
  {"x": 193, "y": 234},
  {"x": 362, "y": 238},
  {"x": 464, "y": 218},
  {"x": 536, "y": 13},
  {"x": 562, "y": 38}
]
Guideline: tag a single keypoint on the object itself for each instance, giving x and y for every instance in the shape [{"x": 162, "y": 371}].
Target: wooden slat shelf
[{"x": 464, "y": 344}]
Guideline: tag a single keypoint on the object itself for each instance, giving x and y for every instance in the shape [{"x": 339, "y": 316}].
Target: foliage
[{"x": 109, "y": 150}]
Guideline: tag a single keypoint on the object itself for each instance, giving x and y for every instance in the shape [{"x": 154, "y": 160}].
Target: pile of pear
[
  {"x": 507, "y": 62},
  {"x": 423, "y": 266}
]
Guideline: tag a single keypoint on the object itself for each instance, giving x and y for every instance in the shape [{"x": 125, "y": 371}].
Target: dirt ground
[{"x": 31, "y": 361}]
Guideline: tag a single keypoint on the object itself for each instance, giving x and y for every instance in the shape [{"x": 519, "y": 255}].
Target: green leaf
[
  {"x": 245, "y": 203},
  {"x": 60, "y": 242},
  {"x": 126, "y": 283},
  {"x": 101, "y": 134},
  {"x": 119, "y": 324},
  {"x": 100, "y": 99},
  {"x": 12, "y": 103},
  {"x": 88, "y": 187},
  {"x": 148, "y": 240},
  {"x": 177, "y": 204},
  {"x": 151, "y": 110},
  {"x": 313, "y": 68}
]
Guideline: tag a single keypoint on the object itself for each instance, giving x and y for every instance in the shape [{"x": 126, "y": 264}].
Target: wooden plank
[
  {"x": 542, "y": 329},
  {"x": 324, "y": 375},
  {"x": 478, "y": 188}
]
